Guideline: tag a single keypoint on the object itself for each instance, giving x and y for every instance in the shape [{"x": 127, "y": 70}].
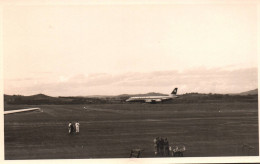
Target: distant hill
[
  {"x": 40, "y": 97},
  {"x": 44, "y": 99},
  {"x": 141, "y": 95},
  {"x": 126, "y": 95},
  {"x": 251, "y": 92}
]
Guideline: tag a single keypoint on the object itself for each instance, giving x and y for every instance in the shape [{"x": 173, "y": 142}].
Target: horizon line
[{"x": 129, "y": 94}]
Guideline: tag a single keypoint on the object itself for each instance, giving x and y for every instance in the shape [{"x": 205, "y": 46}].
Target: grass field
[{"x": 112, "y": 130}]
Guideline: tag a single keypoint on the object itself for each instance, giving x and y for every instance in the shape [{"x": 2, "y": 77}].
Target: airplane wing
[{"x": 21, "y": 110}]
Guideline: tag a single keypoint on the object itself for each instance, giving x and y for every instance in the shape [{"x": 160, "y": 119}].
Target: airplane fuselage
[{"x": 151, "y": 98}]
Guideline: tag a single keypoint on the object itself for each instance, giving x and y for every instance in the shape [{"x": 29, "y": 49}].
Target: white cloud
[{"x": 196, "y": 80}]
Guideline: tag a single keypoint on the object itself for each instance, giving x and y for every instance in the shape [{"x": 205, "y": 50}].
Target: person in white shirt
[
  {"x": 77, "y": 127},
  {"x": 70, "y": 127}
]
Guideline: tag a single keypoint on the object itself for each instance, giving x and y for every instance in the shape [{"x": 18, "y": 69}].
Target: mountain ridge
[
  {"x": 44, "y": 96},
  {"x": 250, "y": 92}
]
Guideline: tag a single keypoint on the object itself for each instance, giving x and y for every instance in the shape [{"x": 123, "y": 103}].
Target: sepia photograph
[{"x": 159, "y": 80}]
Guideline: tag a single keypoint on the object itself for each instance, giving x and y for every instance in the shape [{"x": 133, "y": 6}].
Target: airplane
[{"x": 154, "y": 99}]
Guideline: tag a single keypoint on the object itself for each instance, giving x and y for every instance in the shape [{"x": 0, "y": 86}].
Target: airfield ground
[{"x": 112, "y": 130}]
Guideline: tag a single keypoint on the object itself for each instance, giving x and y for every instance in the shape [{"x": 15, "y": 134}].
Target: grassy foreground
[{"x": 112, "y": 130}]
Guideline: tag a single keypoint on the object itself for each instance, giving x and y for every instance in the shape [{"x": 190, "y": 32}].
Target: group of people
[
  {"x": 161, "y": 146},
  {"x": 73, "y": 128}
]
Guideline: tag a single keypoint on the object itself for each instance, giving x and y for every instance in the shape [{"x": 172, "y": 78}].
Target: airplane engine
[{"x": 148, "y": 101}]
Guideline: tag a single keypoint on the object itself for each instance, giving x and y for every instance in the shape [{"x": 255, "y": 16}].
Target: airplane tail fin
[{"x": 174, "y": 92}]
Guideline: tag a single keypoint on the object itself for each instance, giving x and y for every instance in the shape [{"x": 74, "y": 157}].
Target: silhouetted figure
[
  {"x": 161, "y": 145},
  {"x": 72, "y": 128},
  {"x": 166, "y": 147}
]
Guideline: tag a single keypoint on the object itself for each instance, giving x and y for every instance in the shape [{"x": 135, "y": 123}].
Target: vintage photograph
[{"x": 133, "y": 79}]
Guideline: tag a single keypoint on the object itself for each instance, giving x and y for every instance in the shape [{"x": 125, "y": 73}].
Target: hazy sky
[{"x": 129, "y": 48}]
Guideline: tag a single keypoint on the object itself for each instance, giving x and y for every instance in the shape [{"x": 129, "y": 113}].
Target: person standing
[
  {"x": 166, "y": 147},
  {"x": 77, "y": 127},
  {"x": 70, "y": 127},
  {"x": 156, "y": 145},
  {"x": 73, "y": 128},
  {"x": 161, "y": 146}
]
